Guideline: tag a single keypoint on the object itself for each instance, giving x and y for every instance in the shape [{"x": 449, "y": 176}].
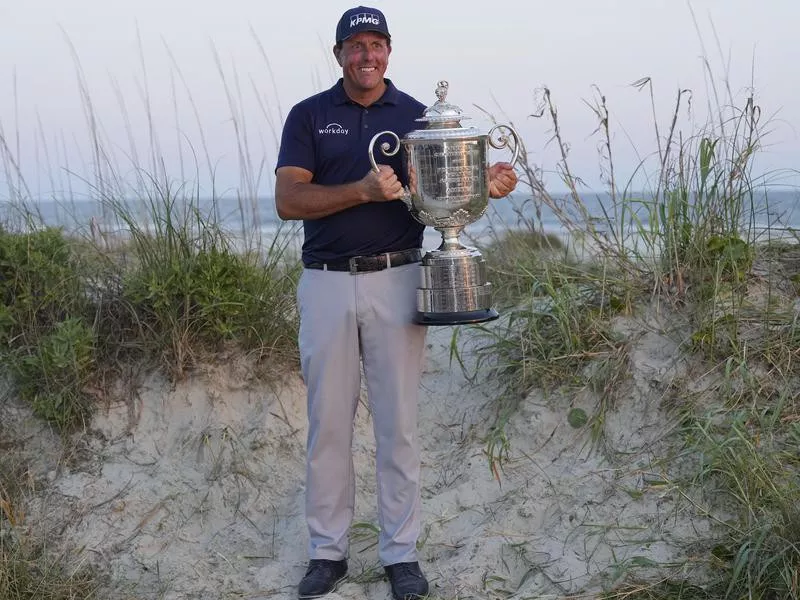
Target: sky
[{"x": 178, "y": 85}]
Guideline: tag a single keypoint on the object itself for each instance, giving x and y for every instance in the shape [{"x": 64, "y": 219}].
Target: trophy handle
[
  {"x": 502, "y": 140},
  {"x": 385, "y": 147}
]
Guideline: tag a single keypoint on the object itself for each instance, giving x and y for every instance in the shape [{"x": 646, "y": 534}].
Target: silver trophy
[{"x": 448, "y": 173}]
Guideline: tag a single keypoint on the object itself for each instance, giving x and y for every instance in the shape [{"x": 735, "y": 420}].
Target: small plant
[
  {"x": 46, "y": 343},
  {"x": 53, "y": 374},
  {"x": 40, "y": 283}
]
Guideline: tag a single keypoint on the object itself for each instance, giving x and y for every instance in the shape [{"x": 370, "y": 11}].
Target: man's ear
[{"x": 337, "y": 52}]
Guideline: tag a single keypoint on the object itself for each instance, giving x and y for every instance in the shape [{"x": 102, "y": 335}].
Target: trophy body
[{"x": 448, "y": 172}]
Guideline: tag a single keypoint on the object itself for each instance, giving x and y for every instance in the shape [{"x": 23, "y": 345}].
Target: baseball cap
[{"x": 358, "y": 19}]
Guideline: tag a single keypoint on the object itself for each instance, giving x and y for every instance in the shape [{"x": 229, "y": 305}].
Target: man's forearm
[{"x": 301, "y": 200}]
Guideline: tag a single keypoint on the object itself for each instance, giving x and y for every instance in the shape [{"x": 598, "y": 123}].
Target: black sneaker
[
  {"x": 407, "y": 580},
  {"x": 321, "y": 578}
]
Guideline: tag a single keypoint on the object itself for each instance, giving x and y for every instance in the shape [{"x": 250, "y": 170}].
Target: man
[{"x": 357, "y": 298}]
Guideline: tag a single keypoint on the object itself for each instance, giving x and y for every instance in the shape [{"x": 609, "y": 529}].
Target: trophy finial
[{"x": 441, "y": 90}]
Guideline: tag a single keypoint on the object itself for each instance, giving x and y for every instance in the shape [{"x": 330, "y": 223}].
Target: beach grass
[
  {"x": 29, "y": 572},
  {"x": 30, "y": 569},
  {"x": 188, "y": 291},
  {"x": 688, "y": 245},
  {"x": 152, "y": 282},
  {"x": 171, "y": 293}
]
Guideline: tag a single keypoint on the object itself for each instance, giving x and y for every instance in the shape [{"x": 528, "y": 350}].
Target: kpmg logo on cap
[
  {"x": 358, "y": 19},
  {"x": 333, "y": 129},
  {"x": 365, "y": 19}
]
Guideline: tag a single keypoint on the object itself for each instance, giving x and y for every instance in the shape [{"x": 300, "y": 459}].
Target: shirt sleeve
[{"x": 297, "y": 142}]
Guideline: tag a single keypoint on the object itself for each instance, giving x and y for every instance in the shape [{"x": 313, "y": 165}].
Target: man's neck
[{"x": 365, "y": 97}]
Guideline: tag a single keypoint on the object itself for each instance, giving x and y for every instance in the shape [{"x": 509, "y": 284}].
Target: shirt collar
[{"x": 390, "y": 94}]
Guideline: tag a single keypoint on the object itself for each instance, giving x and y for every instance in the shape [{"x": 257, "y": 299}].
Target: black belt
[{"x": 368, "y": 264}]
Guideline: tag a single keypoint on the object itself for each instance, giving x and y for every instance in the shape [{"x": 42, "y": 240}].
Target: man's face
[{"x": 364, "y": 58}]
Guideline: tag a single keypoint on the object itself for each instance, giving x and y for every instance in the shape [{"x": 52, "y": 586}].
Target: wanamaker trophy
[{"x": 448, "y": 173}]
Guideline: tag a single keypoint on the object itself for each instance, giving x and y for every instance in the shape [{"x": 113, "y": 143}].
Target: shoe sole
[
  {"x": 410, "y": 596},
  {"x": 333, "y": 589}
]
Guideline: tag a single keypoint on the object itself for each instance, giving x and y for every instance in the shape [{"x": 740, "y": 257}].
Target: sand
[{"x": 195, "y": 490}]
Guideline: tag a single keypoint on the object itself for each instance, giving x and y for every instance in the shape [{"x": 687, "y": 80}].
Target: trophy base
[
  {"x": 456, "y": 318},
  {"x": 454, "y": 289}
]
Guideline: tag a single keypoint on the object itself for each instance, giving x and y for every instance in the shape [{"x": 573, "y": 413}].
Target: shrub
[{"x": 46, "y": 342}]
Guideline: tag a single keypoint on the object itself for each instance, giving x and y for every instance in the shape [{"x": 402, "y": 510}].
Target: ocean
[{"x": 773, "y": 212}]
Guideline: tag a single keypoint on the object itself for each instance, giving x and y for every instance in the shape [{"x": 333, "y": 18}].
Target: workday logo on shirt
[{"x": 333, "y": 129}]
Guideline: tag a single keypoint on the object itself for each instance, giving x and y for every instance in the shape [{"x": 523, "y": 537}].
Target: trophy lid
[{"x": 442, "y": 116}]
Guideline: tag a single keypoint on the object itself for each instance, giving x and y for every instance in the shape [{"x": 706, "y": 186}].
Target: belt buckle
[{"x": 353, "y": 266}]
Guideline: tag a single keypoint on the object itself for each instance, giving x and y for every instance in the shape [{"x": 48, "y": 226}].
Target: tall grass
[
  {"x": 754, "y": 465},
  {"x": 154, "y": 281},
  {"x": 689, "y": 243},
  {"x": 156, "y": 278},
  {"x": 189, "y": 290}
]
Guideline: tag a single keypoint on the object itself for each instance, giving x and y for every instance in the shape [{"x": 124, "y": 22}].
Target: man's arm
[{"x": 297, "y": 198}]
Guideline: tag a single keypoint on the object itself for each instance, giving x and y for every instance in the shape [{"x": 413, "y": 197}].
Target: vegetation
[
  {"x": 44, "y": 328},
  {"x": 187, "y": 290},
  {"x": 29, "y": 569},
  {"x": 73, "y": 311},
  {"x": 687, "y": 247},
  {"x": 30, "y": 573}
]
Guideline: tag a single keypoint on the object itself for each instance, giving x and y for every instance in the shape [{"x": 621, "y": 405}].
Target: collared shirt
[{"x": 328, "y": 134}]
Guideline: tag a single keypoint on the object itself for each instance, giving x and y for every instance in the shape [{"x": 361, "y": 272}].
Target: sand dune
[{"x": 196, "y": 490}]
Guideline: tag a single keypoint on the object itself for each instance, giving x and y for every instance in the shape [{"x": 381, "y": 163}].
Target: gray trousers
[{"x": 344, "y": 318}]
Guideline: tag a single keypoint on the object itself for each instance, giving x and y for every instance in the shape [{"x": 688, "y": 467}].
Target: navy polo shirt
[{"x": 329, "y": 134}]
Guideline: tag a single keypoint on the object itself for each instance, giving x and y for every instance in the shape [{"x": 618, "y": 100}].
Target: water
[{"x": 772, "y": 211}]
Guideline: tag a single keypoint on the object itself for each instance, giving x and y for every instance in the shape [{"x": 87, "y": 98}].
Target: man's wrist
[{"x": 360, "y": 192}]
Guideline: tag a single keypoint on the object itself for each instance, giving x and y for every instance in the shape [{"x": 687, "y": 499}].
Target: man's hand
[
  {"x": 502, "y": 180},
  {"x": 383, "y": 185}
]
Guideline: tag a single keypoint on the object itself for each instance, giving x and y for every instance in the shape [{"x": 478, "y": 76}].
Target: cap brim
[{"x": 383, "y": 33}]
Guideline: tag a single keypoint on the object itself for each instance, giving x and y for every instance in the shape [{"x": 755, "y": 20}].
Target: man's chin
[{"x": 369, "y": 82}]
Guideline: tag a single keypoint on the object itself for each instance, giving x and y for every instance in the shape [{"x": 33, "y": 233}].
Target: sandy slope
[{"x": 196, "y": 491}]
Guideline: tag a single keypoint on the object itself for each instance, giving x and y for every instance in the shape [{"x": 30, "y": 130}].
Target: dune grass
[
  {"x": 29, "y": 568},
  {"x": 172, "y": 293},
  {"x": 689, "y": 244},
  {"x": 153, "y": 282},
  {"x": 31, "y": 573},
  {"x": 187, "y": 291}
]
